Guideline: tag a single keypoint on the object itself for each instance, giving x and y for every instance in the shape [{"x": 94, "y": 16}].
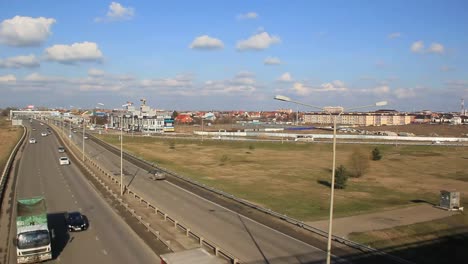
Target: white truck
[{"x": 33, "y": 243}]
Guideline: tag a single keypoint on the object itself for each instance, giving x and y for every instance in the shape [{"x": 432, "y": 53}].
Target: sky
[{"x": 234, "y": 55}]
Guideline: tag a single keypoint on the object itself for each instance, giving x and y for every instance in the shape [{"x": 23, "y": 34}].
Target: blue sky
[{"x": 234, "y": 55}]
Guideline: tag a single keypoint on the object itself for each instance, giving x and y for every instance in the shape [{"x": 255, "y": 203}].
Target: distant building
[
  {"x": 144, "y": 119},
  {"x": 379, "y": 118}
]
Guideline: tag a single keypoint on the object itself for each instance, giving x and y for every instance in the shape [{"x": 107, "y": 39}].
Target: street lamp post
[
  {"x": 335, "y": 112},
  {"x": 121, "y": 160},
  {"x": 121, "y": 151},
  {"x": 84, "y": 132}
]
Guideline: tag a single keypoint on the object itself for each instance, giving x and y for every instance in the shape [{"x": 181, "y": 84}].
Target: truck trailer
[{"x": 33, "y": 242}]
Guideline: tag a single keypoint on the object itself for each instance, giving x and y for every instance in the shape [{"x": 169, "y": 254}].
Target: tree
[
  {"x": 341, "y": 177},
  {"x": 359, "y": 163},
  {"x": 174, "y": 114},
  {"x": 376, "y": 155}
]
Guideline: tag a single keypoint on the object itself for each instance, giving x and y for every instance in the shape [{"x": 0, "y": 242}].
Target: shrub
[
  {"x": 376, "y": 155},
  {"x": 341, "y": 177}
]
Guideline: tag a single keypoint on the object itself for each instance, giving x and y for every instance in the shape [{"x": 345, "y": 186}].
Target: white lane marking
[
  {"x": 97, "y": 238},
  {"x": 104, "y": 252},
  {"x": 76, "y": 202}
]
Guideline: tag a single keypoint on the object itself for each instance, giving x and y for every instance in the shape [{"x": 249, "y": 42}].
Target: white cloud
[
  {"x": 272, "y": 61},
  {"x": 117, "y": 12},
  {"x": 457, "y": 83},
  {"x": 285, "y": 77},
  {"x": 394, "y": 35},
  {"x": 381, "y": 90},
  {"x": 259, "y": 41},
  {"x": 334, "y": 86},
  {"x": 25, "y": 31},
  {"x": 436, "y": 48},
  {"x": 101, "y": 87},
  {"x": 95, "y": 72},
  {"x": 402, "y": 93},
  {"x": 29, "y": 61},
  {"x": 85, "y": 51},
  {"x": 249, "y": 15},
  {"x": 39, "y": 78},
  {"x": 162, "y": 83},
  {"x": 300, "y": 88},
  {"x": 417, "y": 47},
  {"x": 206, "y": 42},
  {"x": 242, "y": 83},
  {"x": 7, "y": 78}
]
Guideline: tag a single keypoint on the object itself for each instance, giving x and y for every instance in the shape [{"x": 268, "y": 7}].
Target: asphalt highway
[
  {"x": 108, "y": 240},
  {"x": 246, "y": 239}
]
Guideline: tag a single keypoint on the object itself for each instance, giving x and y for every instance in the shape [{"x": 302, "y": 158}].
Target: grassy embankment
[{"x": 9, "y": 136}]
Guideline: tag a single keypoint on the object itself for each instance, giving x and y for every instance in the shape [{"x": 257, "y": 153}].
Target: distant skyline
[{"x": 234, "y": 55}]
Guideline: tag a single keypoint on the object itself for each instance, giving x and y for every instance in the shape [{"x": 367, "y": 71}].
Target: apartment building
[{"x": 380, "y": 118}]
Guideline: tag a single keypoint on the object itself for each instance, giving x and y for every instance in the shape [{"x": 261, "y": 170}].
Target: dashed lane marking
[{"x": 104, "y": 252}]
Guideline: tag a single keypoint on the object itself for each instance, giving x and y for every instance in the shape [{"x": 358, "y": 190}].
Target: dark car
[
  {"x": 61, "y": 149},
  {"x": 76, "y": 221}
]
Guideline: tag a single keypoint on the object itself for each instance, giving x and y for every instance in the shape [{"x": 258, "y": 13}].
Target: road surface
[{"x": 108, "y": 240}]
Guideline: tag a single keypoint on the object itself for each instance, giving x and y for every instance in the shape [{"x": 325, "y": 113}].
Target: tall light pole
[
  {"x": 121, "y": 151},
  {"x": 84, "y": 132},
  {"x": 335, "y": 112},
  {"x": 121, "y": 161}
]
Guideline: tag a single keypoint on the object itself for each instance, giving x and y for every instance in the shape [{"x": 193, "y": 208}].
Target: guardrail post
[
  {"x": 216, "y": 251},
  {"x": 165, "y": 217},
  {"x": 156, "y": 210},
  {"x": 187, "y": 232},
  {"x": 201, "y": 241},
  {"x": 175, "y": 224}
]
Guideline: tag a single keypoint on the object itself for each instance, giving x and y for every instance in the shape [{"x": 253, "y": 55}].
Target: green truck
[{"x": 33, "y": 243}]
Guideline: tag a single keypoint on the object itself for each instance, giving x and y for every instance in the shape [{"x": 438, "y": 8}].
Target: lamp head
[
  {"x": 382, "y": 103},
  {"x": 282, "y": 98}
]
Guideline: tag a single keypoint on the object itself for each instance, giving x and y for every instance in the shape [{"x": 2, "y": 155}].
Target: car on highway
[
  {"x": 34, "y": 129},
  {"x": 61, "y": 149},
  {"x": 44, "y": 134},
  {"x": 64, "y": 161},
  {"x": 85, "y": 137},
  {"x": 157, "y": 175},
  {"x": 76, "y": 221},
  {"x": 32, "y": 141}
]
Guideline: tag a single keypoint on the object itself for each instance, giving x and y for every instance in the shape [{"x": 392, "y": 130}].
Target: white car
[
  {"x": 44, "y": 134},
  {"x": 64, "y": 161},
  {"x": 32, "y": 141}
]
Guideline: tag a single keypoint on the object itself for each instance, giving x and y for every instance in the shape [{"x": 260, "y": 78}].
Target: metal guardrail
[
  {"x": 7, "y": 168},
  {"x": 217, "y": 251},
  {"x": 342, "y": 240}
]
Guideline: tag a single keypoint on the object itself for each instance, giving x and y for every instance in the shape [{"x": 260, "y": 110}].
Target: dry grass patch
[
  {"x": 9, "y": 136},
  {"x": 286, "y": 177}
]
